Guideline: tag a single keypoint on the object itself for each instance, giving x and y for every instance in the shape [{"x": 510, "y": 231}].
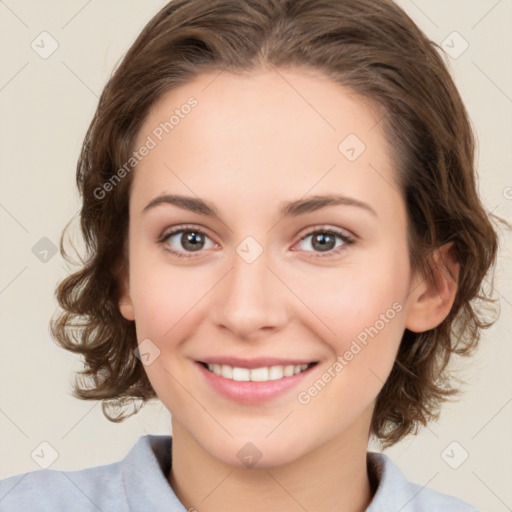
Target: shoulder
[
  {"x": 132, "y": 483},
  {"x": 50, "y": 490},
  {"x": 394, "y": 491}
]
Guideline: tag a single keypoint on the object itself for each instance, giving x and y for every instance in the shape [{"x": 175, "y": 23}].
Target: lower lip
[{"x": 249, "y": 392}]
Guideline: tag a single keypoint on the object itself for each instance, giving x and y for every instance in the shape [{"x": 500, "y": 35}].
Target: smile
[
  {"x": 262, "y": 374},
  {"x": 256, "y": 380}
]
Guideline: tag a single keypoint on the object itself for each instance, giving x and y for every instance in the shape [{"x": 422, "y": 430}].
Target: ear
[
  {"x": 125, "y": 301},
  {"x": 431, "y": 297}
]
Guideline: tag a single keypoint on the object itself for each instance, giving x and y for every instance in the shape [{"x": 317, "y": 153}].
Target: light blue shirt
[{"x": 139, "y": 483}]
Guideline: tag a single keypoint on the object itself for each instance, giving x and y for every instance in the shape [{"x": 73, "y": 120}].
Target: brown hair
[{"x": 370, "y": 46}]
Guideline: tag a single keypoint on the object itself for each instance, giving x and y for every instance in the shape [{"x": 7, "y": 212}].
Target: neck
[{"x": 333, "y": 477}]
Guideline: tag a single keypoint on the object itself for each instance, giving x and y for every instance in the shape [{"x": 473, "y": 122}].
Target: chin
[{"x": 255, "y": 451}]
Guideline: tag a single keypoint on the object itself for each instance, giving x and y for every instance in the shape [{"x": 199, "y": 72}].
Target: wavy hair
[{"x": 369, "y": 46}]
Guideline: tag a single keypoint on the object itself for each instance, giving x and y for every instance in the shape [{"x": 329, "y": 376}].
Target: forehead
[{"x": 264, "y": 134}]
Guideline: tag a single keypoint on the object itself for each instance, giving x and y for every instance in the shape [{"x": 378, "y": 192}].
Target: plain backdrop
[{"x": 46, "y": 104}]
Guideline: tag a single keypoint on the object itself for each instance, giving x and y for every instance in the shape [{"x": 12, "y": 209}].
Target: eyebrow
[{"x": 287, "y": 209}]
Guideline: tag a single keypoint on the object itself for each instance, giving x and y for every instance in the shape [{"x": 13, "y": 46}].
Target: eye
[
  {"x": 323, "y": 239},
  {"x": 188, "y": 238}
]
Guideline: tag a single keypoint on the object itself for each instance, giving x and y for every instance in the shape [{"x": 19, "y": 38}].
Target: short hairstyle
[{"x": 369, "y": 46}]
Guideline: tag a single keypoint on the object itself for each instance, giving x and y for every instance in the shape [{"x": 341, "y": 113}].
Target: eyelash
[{"x": 347, "y": 240}]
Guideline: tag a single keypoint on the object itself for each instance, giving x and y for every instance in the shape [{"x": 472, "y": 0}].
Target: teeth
[
  {"x": 288, "y": 371},
  {"x": 263, "y": 374},
  {"x": 259, "y": 374},
  {"x": 275, "y": 372},
  {"x": 241, "y": 374},
  {"x": 227, "y": 371}
]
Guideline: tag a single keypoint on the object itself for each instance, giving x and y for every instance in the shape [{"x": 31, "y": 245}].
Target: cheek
[
  {"x": 167, "y": 303},
  {"x": 367, "y": 329},
  {"x": 346, "y": 301},
  {"x": 163, "y": 294},
  {"x": 359, "y": 314}
]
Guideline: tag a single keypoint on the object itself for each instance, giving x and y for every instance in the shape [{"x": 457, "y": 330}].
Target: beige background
[{"x": 46, "y": 105}]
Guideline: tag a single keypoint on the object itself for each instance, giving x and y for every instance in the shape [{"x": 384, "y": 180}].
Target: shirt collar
[
  {"x": 145, "y": 471},
  {"x": 147, "y": 466}
]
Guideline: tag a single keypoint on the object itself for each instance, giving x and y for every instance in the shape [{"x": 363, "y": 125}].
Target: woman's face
[{"x": 260, "y": 279}]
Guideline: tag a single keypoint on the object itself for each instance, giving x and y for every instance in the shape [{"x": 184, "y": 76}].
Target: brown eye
[
  {"x": 185, "y": 240},
  {"x": 191, "y": 240},
  {"x": 324, "y": 241}
]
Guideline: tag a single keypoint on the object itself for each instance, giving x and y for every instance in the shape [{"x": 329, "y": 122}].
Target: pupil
[
  {"x": 189, "y": 240},
  {"x": 323, "y": 241}
]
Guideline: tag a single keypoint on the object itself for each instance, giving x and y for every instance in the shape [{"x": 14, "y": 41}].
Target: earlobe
[
  {"x": 125, "y": 301},
  {"x": 126, "y": 308},
  {"x": 432, "y": 296}
]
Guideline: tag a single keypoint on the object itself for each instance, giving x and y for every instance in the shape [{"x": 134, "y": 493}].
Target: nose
[{"x": 251, "y": 300}]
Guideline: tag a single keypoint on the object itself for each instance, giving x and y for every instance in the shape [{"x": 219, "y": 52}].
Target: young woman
[{"x": 285, "y": 241}]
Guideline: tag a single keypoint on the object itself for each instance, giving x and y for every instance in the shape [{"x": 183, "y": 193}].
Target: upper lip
[{"x": 257, "y": 362}]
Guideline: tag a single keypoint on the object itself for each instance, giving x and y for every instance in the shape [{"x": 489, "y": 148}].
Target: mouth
[
  {"x": 253, "y": 381},
  {"x": 259, "y": 374}
]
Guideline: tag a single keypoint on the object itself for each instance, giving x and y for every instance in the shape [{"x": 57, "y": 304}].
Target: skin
[{"x": 252, "y": 142}]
